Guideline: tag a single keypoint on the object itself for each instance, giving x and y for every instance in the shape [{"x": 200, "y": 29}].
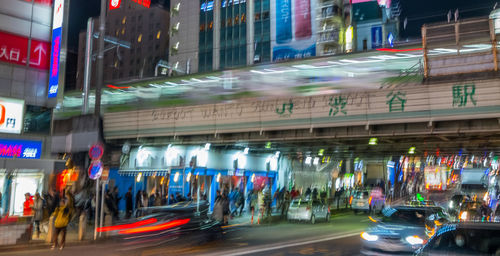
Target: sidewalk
[{"x": 41, "y": 243}]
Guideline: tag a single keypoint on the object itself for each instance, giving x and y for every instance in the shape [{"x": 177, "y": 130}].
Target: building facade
[
  {"x": 146, "y": 29},
  {"x": 28, "y": 42},
  {"x": 235, "y": 33}
]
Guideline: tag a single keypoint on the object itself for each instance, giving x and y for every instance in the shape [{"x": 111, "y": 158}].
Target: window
[
  {"x": 158, "y": 34},
  {"x": 157, "y": 46},
  {"x": 123, "y": 31},
  {"x": 257, "y": 16},
  {"x": 124, "y": 20},
  {"x": 157, "y": 25},
  {"x": 139, "y": 38}
]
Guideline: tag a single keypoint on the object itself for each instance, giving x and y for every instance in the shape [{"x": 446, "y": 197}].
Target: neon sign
[
  {"x": 24, "y": 149},
  {"x": 145, "y": 3},
  {"x": 56, "y": 48}
]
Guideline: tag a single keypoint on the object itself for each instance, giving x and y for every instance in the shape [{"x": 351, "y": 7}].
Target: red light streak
[
  {"x": 127, "y": 226},
  {"x": 170, "y": 224},
  {"x": 398, "y": 50},
  {"x": 117, "y": 87}
]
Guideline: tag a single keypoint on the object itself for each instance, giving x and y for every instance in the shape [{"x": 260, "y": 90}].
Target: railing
[{"x": 465, "y": 46}]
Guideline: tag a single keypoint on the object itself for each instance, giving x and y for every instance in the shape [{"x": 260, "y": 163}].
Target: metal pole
[
  {"x": 102, "y": 205},
  {"x": 96, "y": 207},
  {"x": 100, "y": 59},
  {"x": 88, "y": 64}
]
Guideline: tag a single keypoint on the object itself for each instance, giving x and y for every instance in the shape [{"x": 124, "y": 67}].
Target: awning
[{"x": 145, "y": 172}]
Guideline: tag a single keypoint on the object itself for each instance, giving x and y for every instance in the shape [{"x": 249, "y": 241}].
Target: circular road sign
[
  {"x": 95, "y": 170},
  {"x": 96, "y": 152}
]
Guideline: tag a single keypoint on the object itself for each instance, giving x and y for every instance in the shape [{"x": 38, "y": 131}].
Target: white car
[
  {"x": 367, "y": 201},
  {"x": 308, "y": 210}
]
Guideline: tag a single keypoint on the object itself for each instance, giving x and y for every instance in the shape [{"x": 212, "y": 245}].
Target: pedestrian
[
  {"x": 152, "y": 198},
  {"x": 138, "y": 200},
  {"x": 62, "y": 216},
  {"x": 28, "y": 205},
  {"x": 241, "y": 202},
  {"x": 253, "y": 203},
  {"x": 218, "y": 211},
  {"x": 157, "y": 199},
  {"x": 38, "y": 212},
  {"x": 129, "y": 204},
  {"x": 225, "y": 207},
  {"x": 116, "y": 201},
  {"x": 145, "y": 199}
]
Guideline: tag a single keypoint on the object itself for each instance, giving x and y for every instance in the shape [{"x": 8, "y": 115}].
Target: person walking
[
  {"x": 62, "y": 216},
  {"x": 129, "y": 204},
  {"x": 38, "y": 212},
  {"x": 240, "y": 202},
  {"x": 252, "y": 198}
]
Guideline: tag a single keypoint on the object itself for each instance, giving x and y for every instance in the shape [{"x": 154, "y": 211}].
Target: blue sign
[
  {"x": 24, "y": 149},
  {"x": 390, "y": 39},
  {"x": 376, "y": 37},
  {"x": 54, "y": 63},
  {"x": 283, "y": 21},
  {"x": 95, "y": 170}
]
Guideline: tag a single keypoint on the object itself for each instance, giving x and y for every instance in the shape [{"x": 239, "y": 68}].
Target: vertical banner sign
[
  {"x": 56, "y": 48},
  {"x": 283, "y": 21},
  {"x": 302, "y": 19},
  {"x": 292, "y": 36}
]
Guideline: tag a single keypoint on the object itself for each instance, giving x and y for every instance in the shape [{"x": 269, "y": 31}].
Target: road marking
[{"x": 277, "y": 246}]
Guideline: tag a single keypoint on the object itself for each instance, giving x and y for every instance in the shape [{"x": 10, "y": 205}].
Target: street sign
[
  {"x": 96, "y": 152},
  {"x": 105, "y": 174},
  {"x": 95, "y": 169}
]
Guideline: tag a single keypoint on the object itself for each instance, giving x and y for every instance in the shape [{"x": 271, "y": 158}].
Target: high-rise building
[{"x": 146, "y": 29}]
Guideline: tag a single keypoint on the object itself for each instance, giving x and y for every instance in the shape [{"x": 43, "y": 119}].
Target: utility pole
[{"x": 100, "y": 59}]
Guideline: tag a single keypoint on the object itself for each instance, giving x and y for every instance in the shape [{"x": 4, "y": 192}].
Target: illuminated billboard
[
  {"x": 56, "y": 48},
  {"x": 11, "y": 115},
  {"x": 292, "y": 29}
]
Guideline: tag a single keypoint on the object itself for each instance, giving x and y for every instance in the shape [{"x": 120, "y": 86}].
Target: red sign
[
  {"x": 96, "y": 152},
  {"x": 145, "y": 3},
  {"x": 13, "y": 49},
  {"x": 114, "y": 4},
  {"x": 45, "y": 2}
]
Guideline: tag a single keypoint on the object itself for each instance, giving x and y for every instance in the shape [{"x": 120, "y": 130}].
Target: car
[
  {"x": 160, "y": 225},
  {"x": 367, "y": 201},
  {"x": 401, "y": 231},
  {"x": 455, "y": 203},
  {"x": 308, "y": 210},
  {"x": 470, "y": 211},
  {"x": 464, "y": 238}
]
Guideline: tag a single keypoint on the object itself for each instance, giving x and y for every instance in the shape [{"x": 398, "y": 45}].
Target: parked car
[
  {"x": 402, "y": 230},
  {"x": 308, "y": 210},
  {"x": 464, "y": 238},
  {"x": 368, "y": 201}
]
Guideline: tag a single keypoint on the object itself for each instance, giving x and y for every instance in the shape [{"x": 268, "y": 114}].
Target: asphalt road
[{"x": 339, "y": 237}]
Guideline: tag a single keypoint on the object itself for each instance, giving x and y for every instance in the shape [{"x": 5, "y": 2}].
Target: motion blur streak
[
  {"x": 128, "y": 226},
  {"x": 163, "y": 226},
  {"x": 398, "y": 50}
]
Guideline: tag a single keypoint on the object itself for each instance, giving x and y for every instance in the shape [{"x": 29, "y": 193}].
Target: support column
[
  {"x": 250, "y": 32},
  {"x": 216, "y": 38}
]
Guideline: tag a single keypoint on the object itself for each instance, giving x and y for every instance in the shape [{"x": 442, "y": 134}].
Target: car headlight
[
  {"x": 369, "y": 237},
  {"x": 414, "y": 240},
  {"x": 463, "y": 216}
]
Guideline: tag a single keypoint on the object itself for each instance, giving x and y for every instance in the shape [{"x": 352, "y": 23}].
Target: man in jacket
[
  {"x": 38, "y": 212},
  {"x": 129, "y": 203},
  {"x": 62, "y": 216}
]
